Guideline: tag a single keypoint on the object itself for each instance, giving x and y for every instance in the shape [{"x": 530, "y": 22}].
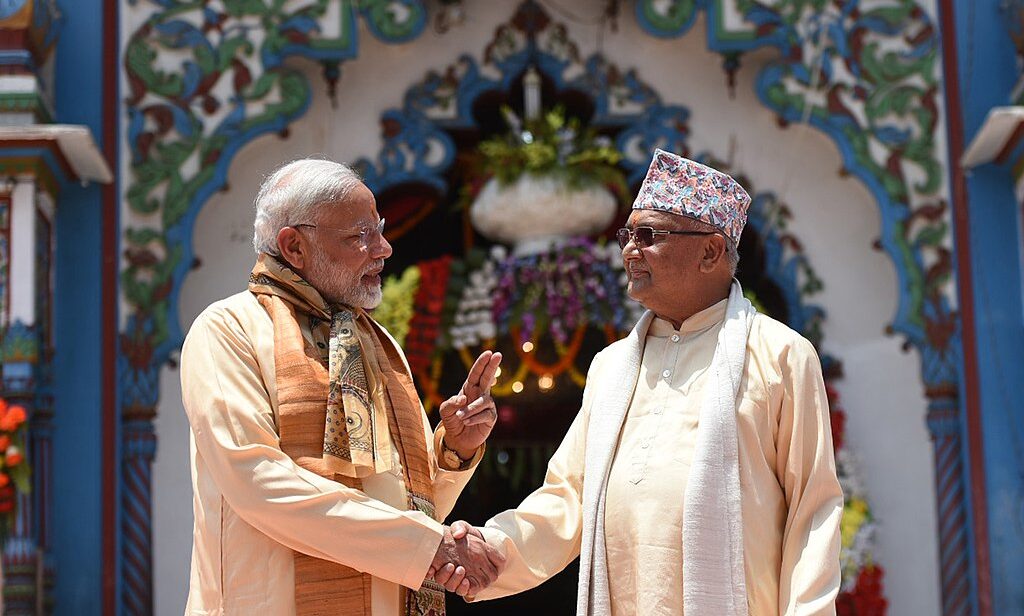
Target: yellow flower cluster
[
  {"x": 396, "y": 307},
  {"x": 855, "y": 514}
]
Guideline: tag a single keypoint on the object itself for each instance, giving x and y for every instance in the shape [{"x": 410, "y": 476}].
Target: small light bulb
[
  {"x": 517, "y": 387},
  {"x": 527, "y": 346},
  {"x": 546, "y": 382}
]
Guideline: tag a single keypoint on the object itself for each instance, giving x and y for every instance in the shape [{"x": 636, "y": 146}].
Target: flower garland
[
  {"x": 424, "y": 328},
  {"x": 15, "y": 474},
  {"x": 560, "y": 291},
  {"x": 861, "y": 590}
]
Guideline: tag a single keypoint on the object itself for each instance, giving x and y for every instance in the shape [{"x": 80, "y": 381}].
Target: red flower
[
  {"x": 11, "y": 416},
  {"x": 13, "y": 456},
  {"x": 837, "y": 418},
  {"x": 867, "y": 596}
]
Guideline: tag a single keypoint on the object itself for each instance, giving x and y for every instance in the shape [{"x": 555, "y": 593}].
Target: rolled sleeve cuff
[
  {"x": 422, "y": 556},
  {"x": 439, "y": 454}
]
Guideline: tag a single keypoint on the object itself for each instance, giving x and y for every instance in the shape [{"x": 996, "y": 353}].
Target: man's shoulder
[
  {"x": 778, "y": 338},
  {"x": 239, "y": 309}
]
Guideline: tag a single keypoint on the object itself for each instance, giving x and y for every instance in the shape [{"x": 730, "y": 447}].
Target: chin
[
  {"x": 636, "y": 291},
  {"x": 369, "y": 298}
]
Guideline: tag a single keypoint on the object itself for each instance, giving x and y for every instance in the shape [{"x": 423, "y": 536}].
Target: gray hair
[
  {"x": 732, "y": 250},
  {"x": 293, "y": 194}
]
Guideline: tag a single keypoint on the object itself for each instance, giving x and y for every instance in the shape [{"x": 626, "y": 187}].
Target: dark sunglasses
[{"x": 643, "y": 237}]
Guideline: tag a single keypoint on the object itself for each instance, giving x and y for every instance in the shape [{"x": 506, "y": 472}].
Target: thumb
[
  {"x": 460, "y": 529},
  {"x": 451, "y": 405}
]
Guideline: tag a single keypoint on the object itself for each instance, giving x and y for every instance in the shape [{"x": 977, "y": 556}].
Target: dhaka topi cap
[{"x": 681, "y": 186}]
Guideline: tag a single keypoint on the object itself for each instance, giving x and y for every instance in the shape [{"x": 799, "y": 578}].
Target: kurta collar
[{"x": 701, "y": 321}]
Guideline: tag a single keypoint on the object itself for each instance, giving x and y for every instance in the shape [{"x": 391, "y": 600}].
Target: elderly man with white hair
[{"x": 318, "y": 485}]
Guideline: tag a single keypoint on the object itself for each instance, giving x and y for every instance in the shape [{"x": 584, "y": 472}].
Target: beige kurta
[
  {"x": 791, "y": 498},
  {"x": 253, "y": 505}
]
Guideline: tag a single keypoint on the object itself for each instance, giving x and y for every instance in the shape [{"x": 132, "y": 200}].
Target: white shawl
[{"x": 713, "y": 576}]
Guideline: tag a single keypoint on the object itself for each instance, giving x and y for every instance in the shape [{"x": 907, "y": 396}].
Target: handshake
[{"x": 464, "y": 563}]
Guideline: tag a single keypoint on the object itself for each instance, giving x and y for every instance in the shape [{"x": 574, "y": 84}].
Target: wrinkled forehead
[{"x": 659, "y": 219}]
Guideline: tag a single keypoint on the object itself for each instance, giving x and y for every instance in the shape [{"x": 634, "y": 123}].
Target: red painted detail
[
  {"x": 109, "y": 277},
  {"x": 965, "y": 280}
]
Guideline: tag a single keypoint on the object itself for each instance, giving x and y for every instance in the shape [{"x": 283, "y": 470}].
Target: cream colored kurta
[
  {"x": 791, "y": 498},
  {"x": 253, "y": 505}
]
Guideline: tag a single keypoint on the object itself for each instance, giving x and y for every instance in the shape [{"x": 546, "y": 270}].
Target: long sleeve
[
  {"x": 810, "y": 575},
  {"x": 542, "y": 535},
  {"x": 448, "y": 484},
  {"x": 232, "y": 420}
]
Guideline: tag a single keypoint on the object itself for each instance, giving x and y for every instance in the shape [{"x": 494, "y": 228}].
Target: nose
[
  {"x": 630, "y": 252},
  {"x": 381, "y": 249}
]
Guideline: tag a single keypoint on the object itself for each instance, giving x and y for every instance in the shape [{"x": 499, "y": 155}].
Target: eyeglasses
[
  {"x": 643, "y": 237},
  {"x": 365, "y": 235}
]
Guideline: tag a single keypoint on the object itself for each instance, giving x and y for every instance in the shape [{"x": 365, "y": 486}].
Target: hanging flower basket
[
  {"x": 535, "y": 213},
  {"x": 549, "y": 180}
]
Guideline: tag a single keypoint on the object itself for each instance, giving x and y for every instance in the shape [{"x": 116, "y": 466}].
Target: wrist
[{"x": 456, "y": 458}]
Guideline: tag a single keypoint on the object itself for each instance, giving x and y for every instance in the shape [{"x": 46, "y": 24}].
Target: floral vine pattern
[
  {"x": 865, "y": 74},
  {"x": 204, "y": 78}
]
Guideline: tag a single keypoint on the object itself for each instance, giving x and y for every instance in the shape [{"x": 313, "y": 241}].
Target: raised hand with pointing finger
[{"x": 469, "y": 416}]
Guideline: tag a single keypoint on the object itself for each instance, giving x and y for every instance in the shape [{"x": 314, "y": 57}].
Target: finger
[
  {"x": 488, "y": 416},
  {"x": 444, "y": 574},
  {"x": 472, "y": 385},
  {"x": 450, "y": 406},
  {"x": 456, "y": 579},
  {"x": 463, "y": 589},
  {"x": 459, "y": 529},
  {"x": 431, "y": 572},
  {"x": 475, "y": 407},
  {"x": 490, "y": 373}
]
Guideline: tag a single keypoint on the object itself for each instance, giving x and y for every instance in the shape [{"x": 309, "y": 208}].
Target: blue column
[
  {"x": 988, "y": 71},
  {"x": 77, "y": 533}
]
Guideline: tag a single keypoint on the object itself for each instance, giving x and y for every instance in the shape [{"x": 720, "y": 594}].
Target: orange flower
[
  {"x": 13, "y": 457},
  {"x": 4, "y": 479},
  {"x": 12, "y": 417},
  {"x": 5, "y": 442}
]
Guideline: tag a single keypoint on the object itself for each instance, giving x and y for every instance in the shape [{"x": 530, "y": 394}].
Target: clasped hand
[{"x": 464, "y": 563}]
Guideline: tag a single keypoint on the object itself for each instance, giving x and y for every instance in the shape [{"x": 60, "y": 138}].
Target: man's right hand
[{"x": 464, "y": 563}]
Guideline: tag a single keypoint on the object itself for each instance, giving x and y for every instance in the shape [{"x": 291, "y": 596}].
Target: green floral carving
[{"x": 204, "y": 79}]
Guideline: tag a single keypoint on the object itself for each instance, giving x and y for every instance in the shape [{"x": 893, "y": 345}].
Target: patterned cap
[{"x": 682, "y": 186}]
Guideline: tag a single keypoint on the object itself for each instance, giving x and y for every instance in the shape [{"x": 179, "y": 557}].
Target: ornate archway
[{"x": 204, "y": 81}]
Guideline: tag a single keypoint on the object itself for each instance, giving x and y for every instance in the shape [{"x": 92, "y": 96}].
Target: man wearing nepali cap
[{"x": 698, "y": 476}]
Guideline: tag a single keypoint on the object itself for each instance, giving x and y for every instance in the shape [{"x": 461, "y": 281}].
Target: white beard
[{"x": 342, "y": 286}]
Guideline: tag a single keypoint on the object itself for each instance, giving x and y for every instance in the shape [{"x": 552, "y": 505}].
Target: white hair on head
[{"x": 292, "y": 194}]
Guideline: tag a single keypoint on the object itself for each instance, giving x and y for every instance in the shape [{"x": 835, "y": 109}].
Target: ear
[
  {"x": 292, "y": 247},
  {"x": 714, "y": 253}
]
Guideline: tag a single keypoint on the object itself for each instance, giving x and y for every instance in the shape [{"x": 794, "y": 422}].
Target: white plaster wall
[{"x": 836, "y": 219}]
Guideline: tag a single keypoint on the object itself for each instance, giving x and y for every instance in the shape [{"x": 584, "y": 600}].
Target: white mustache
[{"x": 374, "y": 268}]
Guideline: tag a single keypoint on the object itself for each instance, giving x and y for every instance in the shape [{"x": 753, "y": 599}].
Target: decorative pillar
[
  {"x": 950, "y": 499},
  {"x": 26, "y": 349}
]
